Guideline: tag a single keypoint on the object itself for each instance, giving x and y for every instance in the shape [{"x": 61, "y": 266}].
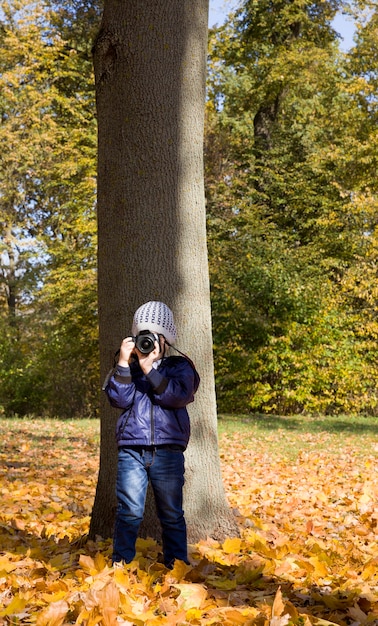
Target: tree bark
[
  {"x": 9, "y": 274},
  {"x": 150, "y": 69}
]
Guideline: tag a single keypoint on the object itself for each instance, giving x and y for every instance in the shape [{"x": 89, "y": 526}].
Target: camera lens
[{"x": 145, "y": 343}]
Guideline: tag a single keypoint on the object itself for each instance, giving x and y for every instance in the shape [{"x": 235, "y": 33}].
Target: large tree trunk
[{"x": 150, "y": 66}]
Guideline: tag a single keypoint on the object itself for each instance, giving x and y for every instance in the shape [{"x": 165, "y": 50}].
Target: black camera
[{"x": 145, "y": 342}]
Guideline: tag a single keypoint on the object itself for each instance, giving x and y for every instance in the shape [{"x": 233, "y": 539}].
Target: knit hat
[{"x": 155, "y": 317}]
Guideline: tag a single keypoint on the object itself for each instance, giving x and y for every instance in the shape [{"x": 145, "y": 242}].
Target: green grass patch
[
  {"x": 289, "y": 436},
  {"x": 38, "y": 433},
  {"x": 284, "y": 437}
]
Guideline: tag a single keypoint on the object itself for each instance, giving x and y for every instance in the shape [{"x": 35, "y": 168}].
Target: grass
[
  {"x": 283, "y": 437},
  {"x": 290, "y": 436}
]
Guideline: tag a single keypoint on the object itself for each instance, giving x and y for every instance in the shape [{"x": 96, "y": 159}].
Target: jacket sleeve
[
  {"x": 176, "y": 388},
  {"x": 120, "y": 388}
]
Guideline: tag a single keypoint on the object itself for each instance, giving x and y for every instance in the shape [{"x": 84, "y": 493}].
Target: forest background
[{"x": 291, "y": 187}]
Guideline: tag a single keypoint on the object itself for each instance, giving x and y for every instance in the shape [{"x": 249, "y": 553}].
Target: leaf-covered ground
[{"x": 307, "y": 554}]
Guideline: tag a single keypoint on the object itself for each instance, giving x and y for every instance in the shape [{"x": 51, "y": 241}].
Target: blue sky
[{"x": 220, "y": 8}]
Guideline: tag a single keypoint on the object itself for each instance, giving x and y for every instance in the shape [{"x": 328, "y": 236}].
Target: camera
[{"x": 145, "y": 342}]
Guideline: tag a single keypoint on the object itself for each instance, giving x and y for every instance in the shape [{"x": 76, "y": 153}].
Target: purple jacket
[{"x": 154, "y": 405}]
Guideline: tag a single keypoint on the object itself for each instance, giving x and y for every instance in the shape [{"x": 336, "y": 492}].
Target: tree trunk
[
  {"x": 150, "y": 67},
  {"x": 9, "y": 274}
]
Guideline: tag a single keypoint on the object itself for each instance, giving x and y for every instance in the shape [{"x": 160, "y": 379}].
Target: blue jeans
[{"x": 164, "y": 468}]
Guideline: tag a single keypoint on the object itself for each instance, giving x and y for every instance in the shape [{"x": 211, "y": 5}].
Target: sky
[{"x": 220, "y": 8}]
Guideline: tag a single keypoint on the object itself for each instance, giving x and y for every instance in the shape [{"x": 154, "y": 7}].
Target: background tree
[
  {"x": 150, "y": 85},
  {"x": 284, "y": 226},
  {"x": 291, "y": 148},
  {"x": 48, "y": 234}
]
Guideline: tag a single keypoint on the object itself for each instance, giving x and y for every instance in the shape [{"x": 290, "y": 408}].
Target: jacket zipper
[{"x": 152, "y": 425}]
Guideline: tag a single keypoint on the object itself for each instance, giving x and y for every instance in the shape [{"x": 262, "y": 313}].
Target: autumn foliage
[
  {"x": 307, "y": 551},
  {"x": 291, "y": 148}
]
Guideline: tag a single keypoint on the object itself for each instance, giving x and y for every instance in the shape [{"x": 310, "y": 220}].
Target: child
[{"x": 152, "y": 432}]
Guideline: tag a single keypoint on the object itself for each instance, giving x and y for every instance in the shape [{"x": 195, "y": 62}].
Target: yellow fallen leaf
[
  {"x": 369, "y": 570},
  {"x": 53, "y": 615},
  {"x": 192, "y": 596},
  {"x": 278, "y": 605},
  {"x": 122, "y": 579},
  {"x": 180, "y": 569},
  {"x": 320, "y": 567},
  {"x": 232, "y": 616},
  {"x": 365, "y": 498},
  {"x": 232, "y": 546},
  {"x": 88, "y": 564},
  {"x": 139, "y": 620},
  {"x": 322, "y": 497},
  {"x": 144, "y": 545},
  {"x": 100, "y": 562},
  {"x": 15, "y": 606},
  {"x": 109, "y": 604},
  {"x": 50, "y": 598},
  {"x": 192, "y": 614},
  {"x": 109, "y": 596}
]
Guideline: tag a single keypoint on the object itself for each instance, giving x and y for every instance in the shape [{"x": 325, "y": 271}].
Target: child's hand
[
  {"x": 146, "y": 360},
  {"x": 126, "y": 350}
]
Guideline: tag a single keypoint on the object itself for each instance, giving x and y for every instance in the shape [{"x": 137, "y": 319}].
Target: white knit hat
[{"x": 155, "y": 317}]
